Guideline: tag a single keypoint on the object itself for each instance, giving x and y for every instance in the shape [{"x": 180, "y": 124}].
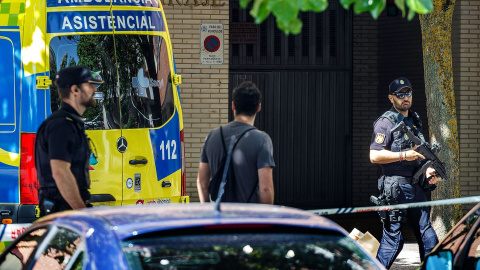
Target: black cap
[
  {"x": 76, "y": 75},
  {"x": 399, "y": 84}
]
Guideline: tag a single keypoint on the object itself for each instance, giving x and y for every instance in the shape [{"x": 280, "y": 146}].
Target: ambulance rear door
[
  {"x": 150, "y": 138},
  {"x": 79, "y": 33}
]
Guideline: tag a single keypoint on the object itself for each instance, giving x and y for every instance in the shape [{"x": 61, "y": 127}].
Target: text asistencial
[{"x": 103, "y": 21}]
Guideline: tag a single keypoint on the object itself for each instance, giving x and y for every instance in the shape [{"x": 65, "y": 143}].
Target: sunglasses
[{"x": 401, "y": 95}]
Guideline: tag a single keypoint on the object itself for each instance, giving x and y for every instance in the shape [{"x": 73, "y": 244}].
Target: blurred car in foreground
[
  {"x": 460, "y": 248},
  {"x": 193, "y": 236}
]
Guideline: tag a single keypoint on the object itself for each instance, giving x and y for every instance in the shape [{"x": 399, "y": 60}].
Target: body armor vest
[{"x": 401, "y": 142}]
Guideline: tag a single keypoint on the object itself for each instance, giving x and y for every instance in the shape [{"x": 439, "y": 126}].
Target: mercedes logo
[{"x": 122, "y": 144}]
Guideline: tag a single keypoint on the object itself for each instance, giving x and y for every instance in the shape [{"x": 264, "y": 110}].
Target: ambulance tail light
[
  {"x": 28, "y": 174},
  {"x": 184, "y": 182}
]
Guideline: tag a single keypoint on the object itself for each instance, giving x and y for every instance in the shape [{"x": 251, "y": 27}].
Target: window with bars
[{"x": 320, "y": 43}]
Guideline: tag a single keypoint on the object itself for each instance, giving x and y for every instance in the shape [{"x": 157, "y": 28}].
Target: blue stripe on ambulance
[
  {"x": 100, "y": 21},
  {"x": 165, "y": 149}
]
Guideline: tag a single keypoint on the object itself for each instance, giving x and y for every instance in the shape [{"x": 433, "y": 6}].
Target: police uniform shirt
[
  {"x": 382, "y": 135},
  {"x": 383, "y": 138},
  {"x": 64, "y": 138},
  {"x": 382, "y": 132},
  {"x": 66, "y": 141}
]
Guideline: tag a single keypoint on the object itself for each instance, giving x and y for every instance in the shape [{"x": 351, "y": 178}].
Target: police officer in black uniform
[
  {"x": 62, "y": 150},
  {"x": 395, "y": 152}
]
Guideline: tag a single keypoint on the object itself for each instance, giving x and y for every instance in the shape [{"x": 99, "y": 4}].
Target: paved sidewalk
[{"x": 408, "y": 259}]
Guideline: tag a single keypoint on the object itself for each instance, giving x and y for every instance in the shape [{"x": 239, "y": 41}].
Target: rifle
[{"x": 427, "y": 151}]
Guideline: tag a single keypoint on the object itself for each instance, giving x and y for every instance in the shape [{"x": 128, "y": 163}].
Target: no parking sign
[{"x": 211, "y": 43}]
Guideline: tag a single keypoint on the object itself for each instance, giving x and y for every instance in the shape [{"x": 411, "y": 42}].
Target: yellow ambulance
[{"x": 136, "y": 129}]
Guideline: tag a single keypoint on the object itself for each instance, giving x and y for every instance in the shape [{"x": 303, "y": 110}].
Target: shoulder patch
[{"x": 380, "y": 138}]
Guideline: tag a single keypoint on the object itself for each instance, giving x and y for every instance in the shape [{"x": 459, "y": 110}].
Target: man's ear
[
  {"x": 259, "y": 107},
  {"x": 390, "y": 97},
  {"x": 233, "y": 106},
  {"x": 74, "y": 88}
]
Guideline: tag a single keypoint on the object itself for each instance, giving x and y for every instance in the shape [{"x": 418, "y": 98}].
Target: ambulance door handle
[
  {"x": 166, "y": 183},
  {"x": 138, "y": 161}
]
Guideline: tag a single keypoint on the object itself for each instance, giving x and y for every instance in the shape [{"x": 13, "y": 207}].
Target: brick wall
[
  {"x": 365, "y": 97},
  {"x": 466, "y": 71},
  {"x": 204, "y": 90}
]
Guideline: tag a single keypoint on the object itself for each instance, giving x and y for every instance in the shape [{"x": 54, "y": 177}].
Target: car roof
[{"x": 128, "y": 221}]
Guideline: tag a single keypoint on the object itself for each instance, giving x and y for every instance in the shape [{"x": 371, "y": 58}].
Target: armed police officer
[
  {"x": 62, "y": 150},
  {"x": 395, "y": 152}
]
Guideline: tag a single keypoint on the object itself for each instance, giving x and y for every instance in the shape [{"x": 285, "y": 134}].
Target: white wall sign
[{"x": 211, "y": 43}]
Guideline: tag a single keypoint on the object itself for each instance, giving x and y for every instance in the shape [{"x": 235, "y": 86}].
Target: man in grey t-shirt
[{"x": 252, "y": 158}]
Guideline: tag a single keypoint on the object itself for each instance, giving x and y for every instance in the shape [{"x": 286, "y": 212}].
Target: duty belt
[{"x": 401, "y": 179}]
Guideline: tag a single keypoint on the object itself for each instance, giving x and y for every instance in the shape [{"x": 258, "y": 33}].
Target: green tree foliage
[{"x": 286, "y": 11}]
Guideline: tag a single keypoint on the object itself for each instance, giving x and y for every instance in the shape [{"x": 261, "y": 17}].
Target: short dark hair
[
  {"x": 246, "y": 98},
  {"x": 63, "y": 92}
]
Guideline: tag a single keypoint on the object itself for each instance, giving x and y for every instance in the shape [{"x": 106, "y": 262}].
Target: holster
[
  {"x": 383, "y": 215},
  {"x": 47, "y": 206},
  {"x": 391, "y": 191}
]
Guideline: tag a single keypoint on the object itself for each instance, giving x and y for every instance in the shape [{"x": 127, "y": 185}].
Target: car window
[
  {"x": 78, "y": 263},
  {"x": 246, "y": 251},
  {"x": 59, "y": 251},
  {"x": 17, "y": 256}
]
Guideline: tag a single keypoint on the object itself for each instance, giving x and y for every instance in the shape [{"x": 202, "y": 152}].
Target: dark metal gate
[{"x": 306, "y": 108}]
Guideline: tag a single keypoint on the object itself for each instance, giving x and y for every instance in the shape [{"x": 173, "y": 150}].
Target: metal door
[{"x": 306, "y": 85}]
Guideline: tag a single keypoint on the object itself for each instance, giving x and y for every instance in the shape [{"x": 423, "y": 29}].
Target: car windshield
[{"x": 246, "y": 251}]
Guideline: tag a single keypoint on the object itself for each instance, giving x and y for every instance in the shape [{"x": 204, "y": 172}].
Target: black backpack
[{"x": 229, "y": 194}]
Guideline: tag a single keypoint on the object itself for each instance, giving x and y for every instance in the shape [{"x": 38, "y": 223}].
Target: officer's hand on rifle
[
  {"x": 411, "y": 154},
  {"x": 431, "y": 176}
]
